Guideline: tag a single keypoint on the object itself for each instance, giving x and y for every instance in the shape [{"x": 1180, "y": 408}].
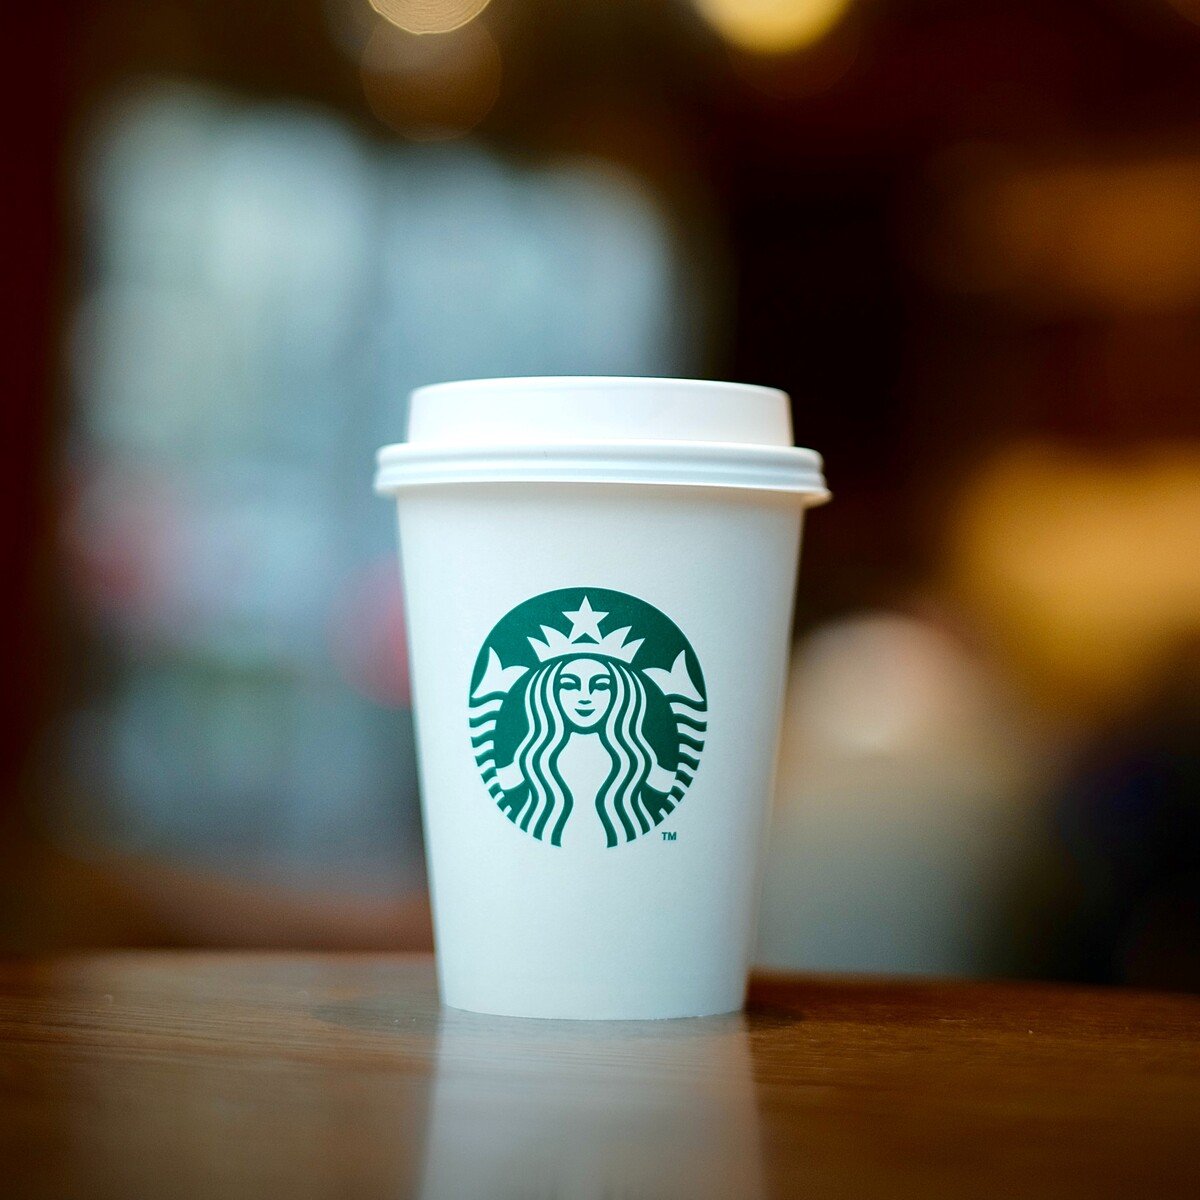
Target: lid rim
[
  {"x": 525, "y": 383},
  {"x": 779, "y": 469}
]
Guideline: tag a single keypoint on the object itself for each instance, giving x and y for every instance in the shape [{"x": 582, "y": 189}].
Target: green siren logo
[{"x": 587, "y": 716}]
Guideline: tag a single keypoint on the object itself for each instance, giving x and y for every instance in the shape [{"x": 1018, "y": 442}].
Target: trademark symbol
[{"x": 669, "y": 837}]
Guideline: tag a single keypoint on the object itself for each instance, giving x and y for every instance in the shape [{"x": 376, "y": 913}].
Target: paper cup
[{"x": 599, "y": 577}]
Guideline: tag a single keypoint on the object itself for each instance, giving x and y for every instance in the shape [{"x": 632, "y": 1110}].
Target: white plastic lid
[{"x": 596, "y": 429}]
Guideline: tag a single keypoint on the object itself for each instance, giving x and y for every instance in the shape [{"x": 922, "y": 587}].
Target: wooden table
[{"x": 260, "y": 1075}]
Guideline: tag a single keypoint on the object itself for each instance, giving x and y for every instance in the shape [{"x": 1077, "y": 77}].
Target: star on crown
[{"x": 585, "y": 638}]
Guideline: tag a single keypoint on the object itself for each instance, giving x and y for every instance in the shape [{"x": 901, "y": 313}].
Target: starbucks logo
[{"x": 587, "y": 716}]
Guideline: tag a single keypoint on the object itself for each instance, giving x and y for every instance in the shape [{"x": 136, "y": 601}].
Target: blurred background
[{"x": 963, "y": 234}]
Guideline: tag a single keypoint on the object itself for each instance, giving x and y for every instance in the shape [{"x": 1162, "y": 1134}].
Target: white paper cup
[{"x": 599, "y": 577}]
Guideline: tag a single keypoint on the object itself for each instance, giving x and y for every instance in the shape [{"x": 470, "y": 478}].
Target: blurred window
[{"x": 263, "y": 287}]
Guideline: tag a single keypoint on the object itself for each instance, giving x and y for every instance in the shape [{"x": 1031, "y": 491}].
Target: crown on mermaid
[{"x": 585, "y": 638}]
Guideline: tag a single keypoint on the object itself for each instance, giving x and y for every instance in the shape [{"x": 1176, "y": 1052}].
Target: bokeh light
[
  {"x": 1079, "y": 566},
  {"x": 431, "y": 88},
  {"x": 429, "y": 16},
  {"x": 1102, "y": 235},
  {"x": 808, "y": 72},
  {"x": 772, "y": 26},
  {"x": 1187, "y": 8}
]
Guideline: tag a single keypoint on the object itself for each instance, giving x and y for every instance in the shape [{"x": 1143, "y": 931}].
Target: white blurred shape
[
  {"x": 499, "y": 272},
  {"x": 904, "y": 811},
  {"x": 883, "y": 685}
]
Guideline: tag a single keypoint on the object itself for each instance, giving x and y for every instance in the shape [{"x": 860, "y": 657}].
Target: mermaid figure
[{"x": 600, "y": 701}]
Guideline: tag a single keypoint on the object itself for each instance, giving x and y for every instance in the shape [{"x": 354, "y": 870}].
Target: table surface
[{"x": 228, "y": 1075}]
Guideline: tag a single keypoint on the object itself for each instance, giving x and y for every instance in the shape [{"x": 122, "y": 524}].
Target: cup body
[{"x": 583, "y": 865}]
